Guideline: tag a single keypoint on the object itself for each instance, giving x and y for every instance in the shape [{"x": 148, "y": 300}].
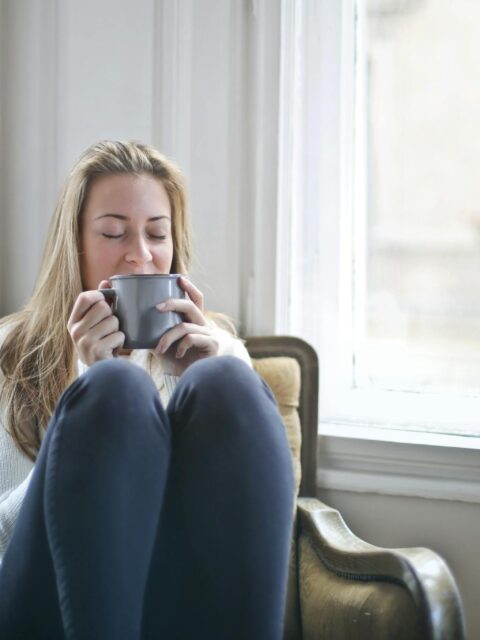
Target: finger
[
  {"x": 110, "y": 343},
  {"x": 187, "y": 307},
  {"x": 82, "y": 304},
  {"x": 202, "y": 343},
  {"x": 177, "y": 332},
  {"x": 194, "y": 294},
  {"x": 104, "y": 328},
  {"x": 114, "y": 340},
  {"x": 97, "y": 312},
  {"x": 100, "y": 349},
  {"x": 88, "y": 342}
]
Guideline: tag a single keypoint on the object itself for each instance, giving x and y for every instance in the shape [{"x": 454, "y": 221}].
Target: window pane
[{"x": 420, "y": 311}]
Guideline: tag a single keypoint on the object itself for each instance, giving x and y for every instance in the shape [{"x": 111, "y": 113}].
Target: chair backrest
[
  {"x": 341, "y": 587},
  {"x": 305, "y": 355},
  {"x": 296, "y": 390}
]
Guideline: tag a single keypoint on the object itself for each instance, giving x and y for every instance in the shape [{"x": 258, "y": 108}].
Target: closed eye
[{"x": 151, "y": 235}]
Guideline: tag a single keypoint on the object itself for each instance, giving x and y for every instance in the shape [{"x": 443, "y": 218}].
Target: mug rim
[{"x": 145, "y": 275}]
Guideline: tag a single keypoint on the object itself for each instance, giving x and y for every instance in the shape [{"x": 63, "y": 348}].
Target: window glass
[{"x": 417, "y": 308}]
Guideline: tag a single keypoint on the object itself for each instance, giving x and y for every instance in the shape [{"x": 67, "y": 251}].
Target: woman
[{"x": 147, "y": 495}]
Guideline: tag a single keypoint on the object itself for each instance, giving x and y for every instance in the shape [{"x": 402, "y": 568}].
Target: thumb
[{"x": 104, "y": 284}]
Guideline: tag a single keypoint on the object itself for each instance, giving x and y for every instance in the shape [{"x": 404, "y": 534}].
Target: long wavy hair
[{"x": 37, "y": 357}]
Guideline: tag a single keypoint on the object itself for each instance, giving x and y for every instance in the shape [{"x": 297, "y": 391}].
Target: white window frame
[
  {"x": 417, "y": 445},
  {"x": 337, "y": 232}
]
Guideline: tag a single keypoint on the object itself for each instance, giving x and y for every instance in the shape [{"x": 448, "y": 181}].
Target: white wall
[
  {"x": 199, "y": 91},
  {"x": 2, "y": 159},
  {"x": 28, "y": 141},
  {"x": 192, "y": 78},
  {"x": 105, "y": 70},
  {"x": 200, "y": 79}
]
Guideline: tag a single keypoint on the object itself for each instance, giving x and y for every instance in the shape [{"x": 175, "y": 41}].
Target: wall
[
  {"x": 2, "y": 158},
  {"x": 28, "y": 139},
  {"x": 198, "y": 80},
  {"x": 201, "y": 81}
]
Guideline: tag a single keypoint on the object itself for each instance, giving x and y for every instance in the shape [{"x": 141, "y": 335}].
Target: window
[
  {"x": 419, "y": 305},
  {"x": 385, "y": 263}
]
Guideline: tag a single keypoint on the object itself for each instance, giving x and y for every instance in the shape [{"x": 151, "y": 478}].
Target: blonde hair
[{"x": 37, "y": 356}]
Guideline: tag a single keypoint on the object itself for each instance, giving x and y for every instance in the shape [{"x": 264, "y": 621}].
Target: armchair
[{"x": 340, "y": 587}]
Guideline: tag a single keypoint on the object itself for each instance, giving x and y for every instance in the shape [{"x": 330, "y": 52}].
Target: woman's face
[{"x": 125, "y": 229}]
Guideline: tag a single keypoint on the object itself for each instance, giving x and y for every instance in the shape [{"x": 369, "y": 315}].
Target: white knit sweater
[{"x": 16, "y": 469}]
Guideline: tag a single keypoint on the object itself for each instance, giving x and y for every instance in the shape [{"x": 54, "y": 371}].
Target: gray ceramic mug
[{"x": 134, "y": 300}]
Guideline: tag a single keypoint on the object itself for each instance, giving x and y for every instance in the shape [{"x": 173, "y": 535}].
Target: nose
[{"x": 138, "y": 252}]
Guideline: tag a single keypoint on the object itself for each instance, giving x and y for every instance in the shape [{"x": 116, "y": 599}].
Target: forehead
[{"x": 128, "y": 195}]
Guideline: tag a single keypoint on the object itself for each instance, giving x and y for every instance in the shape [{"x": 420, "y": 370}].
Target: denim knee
[
  {"x": 118, "y": 376},
  {"x": 219, "y": 387},
  {"x": 221, "y": 375},
  {"x": 111, "y": 393}
]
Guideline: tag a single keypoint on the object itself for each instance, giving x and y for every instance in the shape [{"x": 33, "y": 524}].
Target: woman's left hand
[{"x": 192, "y": 339}]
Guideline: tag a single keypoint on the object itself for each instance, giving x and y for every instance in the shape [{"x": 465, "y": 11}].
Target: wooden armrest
[{"x": 420, "y": 571}]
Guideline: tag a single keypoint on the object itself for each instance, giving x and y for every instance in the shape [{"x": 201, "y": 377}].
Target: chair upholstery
[
  {"x": 283, "y": 377},
  {"x": 340, "y": 587}
]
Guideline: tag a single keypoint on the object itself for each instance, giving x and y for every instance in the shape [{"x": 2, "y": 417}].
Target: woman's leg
[
  {"x": 85, "y": 532},
  {"x": 29, "y": 605},
  {"x": 220, "y": 565}
]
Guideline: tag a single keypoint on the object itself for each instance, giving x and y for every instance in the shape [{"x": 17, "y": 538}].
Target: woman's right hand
[{"x": 93, "y": 327}]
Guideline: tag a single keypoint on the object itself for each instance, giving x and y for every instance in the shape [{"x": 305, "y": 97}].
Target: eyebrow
[{"x": 119, "y": 216}]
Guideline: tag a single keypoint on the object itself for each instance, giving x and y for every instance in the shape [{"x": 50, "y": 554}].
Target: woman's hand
[
  {"x": 190, "y": 340},
  {"x": 93, "y": 327}
]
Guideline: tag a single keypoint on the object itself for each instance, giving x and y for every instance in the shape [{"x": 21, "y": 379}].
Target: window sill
[{"x": 398, "y": 462}]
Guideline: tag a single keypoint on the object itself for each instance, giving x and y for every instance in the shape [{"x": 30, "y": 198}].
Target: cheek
[
  {"x": 163, "y": 257},
  {"x": 98, "y": 263}
]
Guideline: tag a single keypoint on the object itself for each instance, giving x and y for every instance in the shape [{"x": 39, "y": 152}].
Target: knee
[
  {"x": 222, "y": 403},
  {"x": 112, "y": 387},
  {"x": 119, "y": 378},
  {"x": 110, "y": 415},
  {"x": 223, "y": 372},
  {"x": 224, "y": 381}
]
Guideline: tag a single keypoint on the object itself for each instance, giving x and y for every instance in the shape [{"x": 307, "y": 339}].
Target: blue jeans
[{"x": 146, "y": 523}]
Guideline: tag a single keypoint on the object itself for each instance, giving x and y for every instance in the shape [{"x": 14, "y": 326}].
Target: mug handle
[{"x": 110, "y": 295}]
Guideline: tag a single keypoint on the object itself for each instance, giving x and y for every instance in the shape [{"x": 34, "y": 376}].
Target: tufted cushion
[
  {"x": 336, "y": 608},
  {"x": 283, "y": 377}
]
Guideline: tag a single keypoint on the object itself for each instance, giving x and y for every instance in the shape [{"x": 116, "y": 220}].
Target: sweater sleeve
[
  {"x": 10, "y": 503},
  {"x": 231, "y": 346},
  {"x": 15, "y": 473}
]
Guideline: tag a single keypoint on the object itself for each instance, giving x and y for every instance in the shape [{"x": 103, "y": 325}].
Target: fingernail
[
  {"x": 179, "y": 354},
  {"x": 161, "y": 306}
]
